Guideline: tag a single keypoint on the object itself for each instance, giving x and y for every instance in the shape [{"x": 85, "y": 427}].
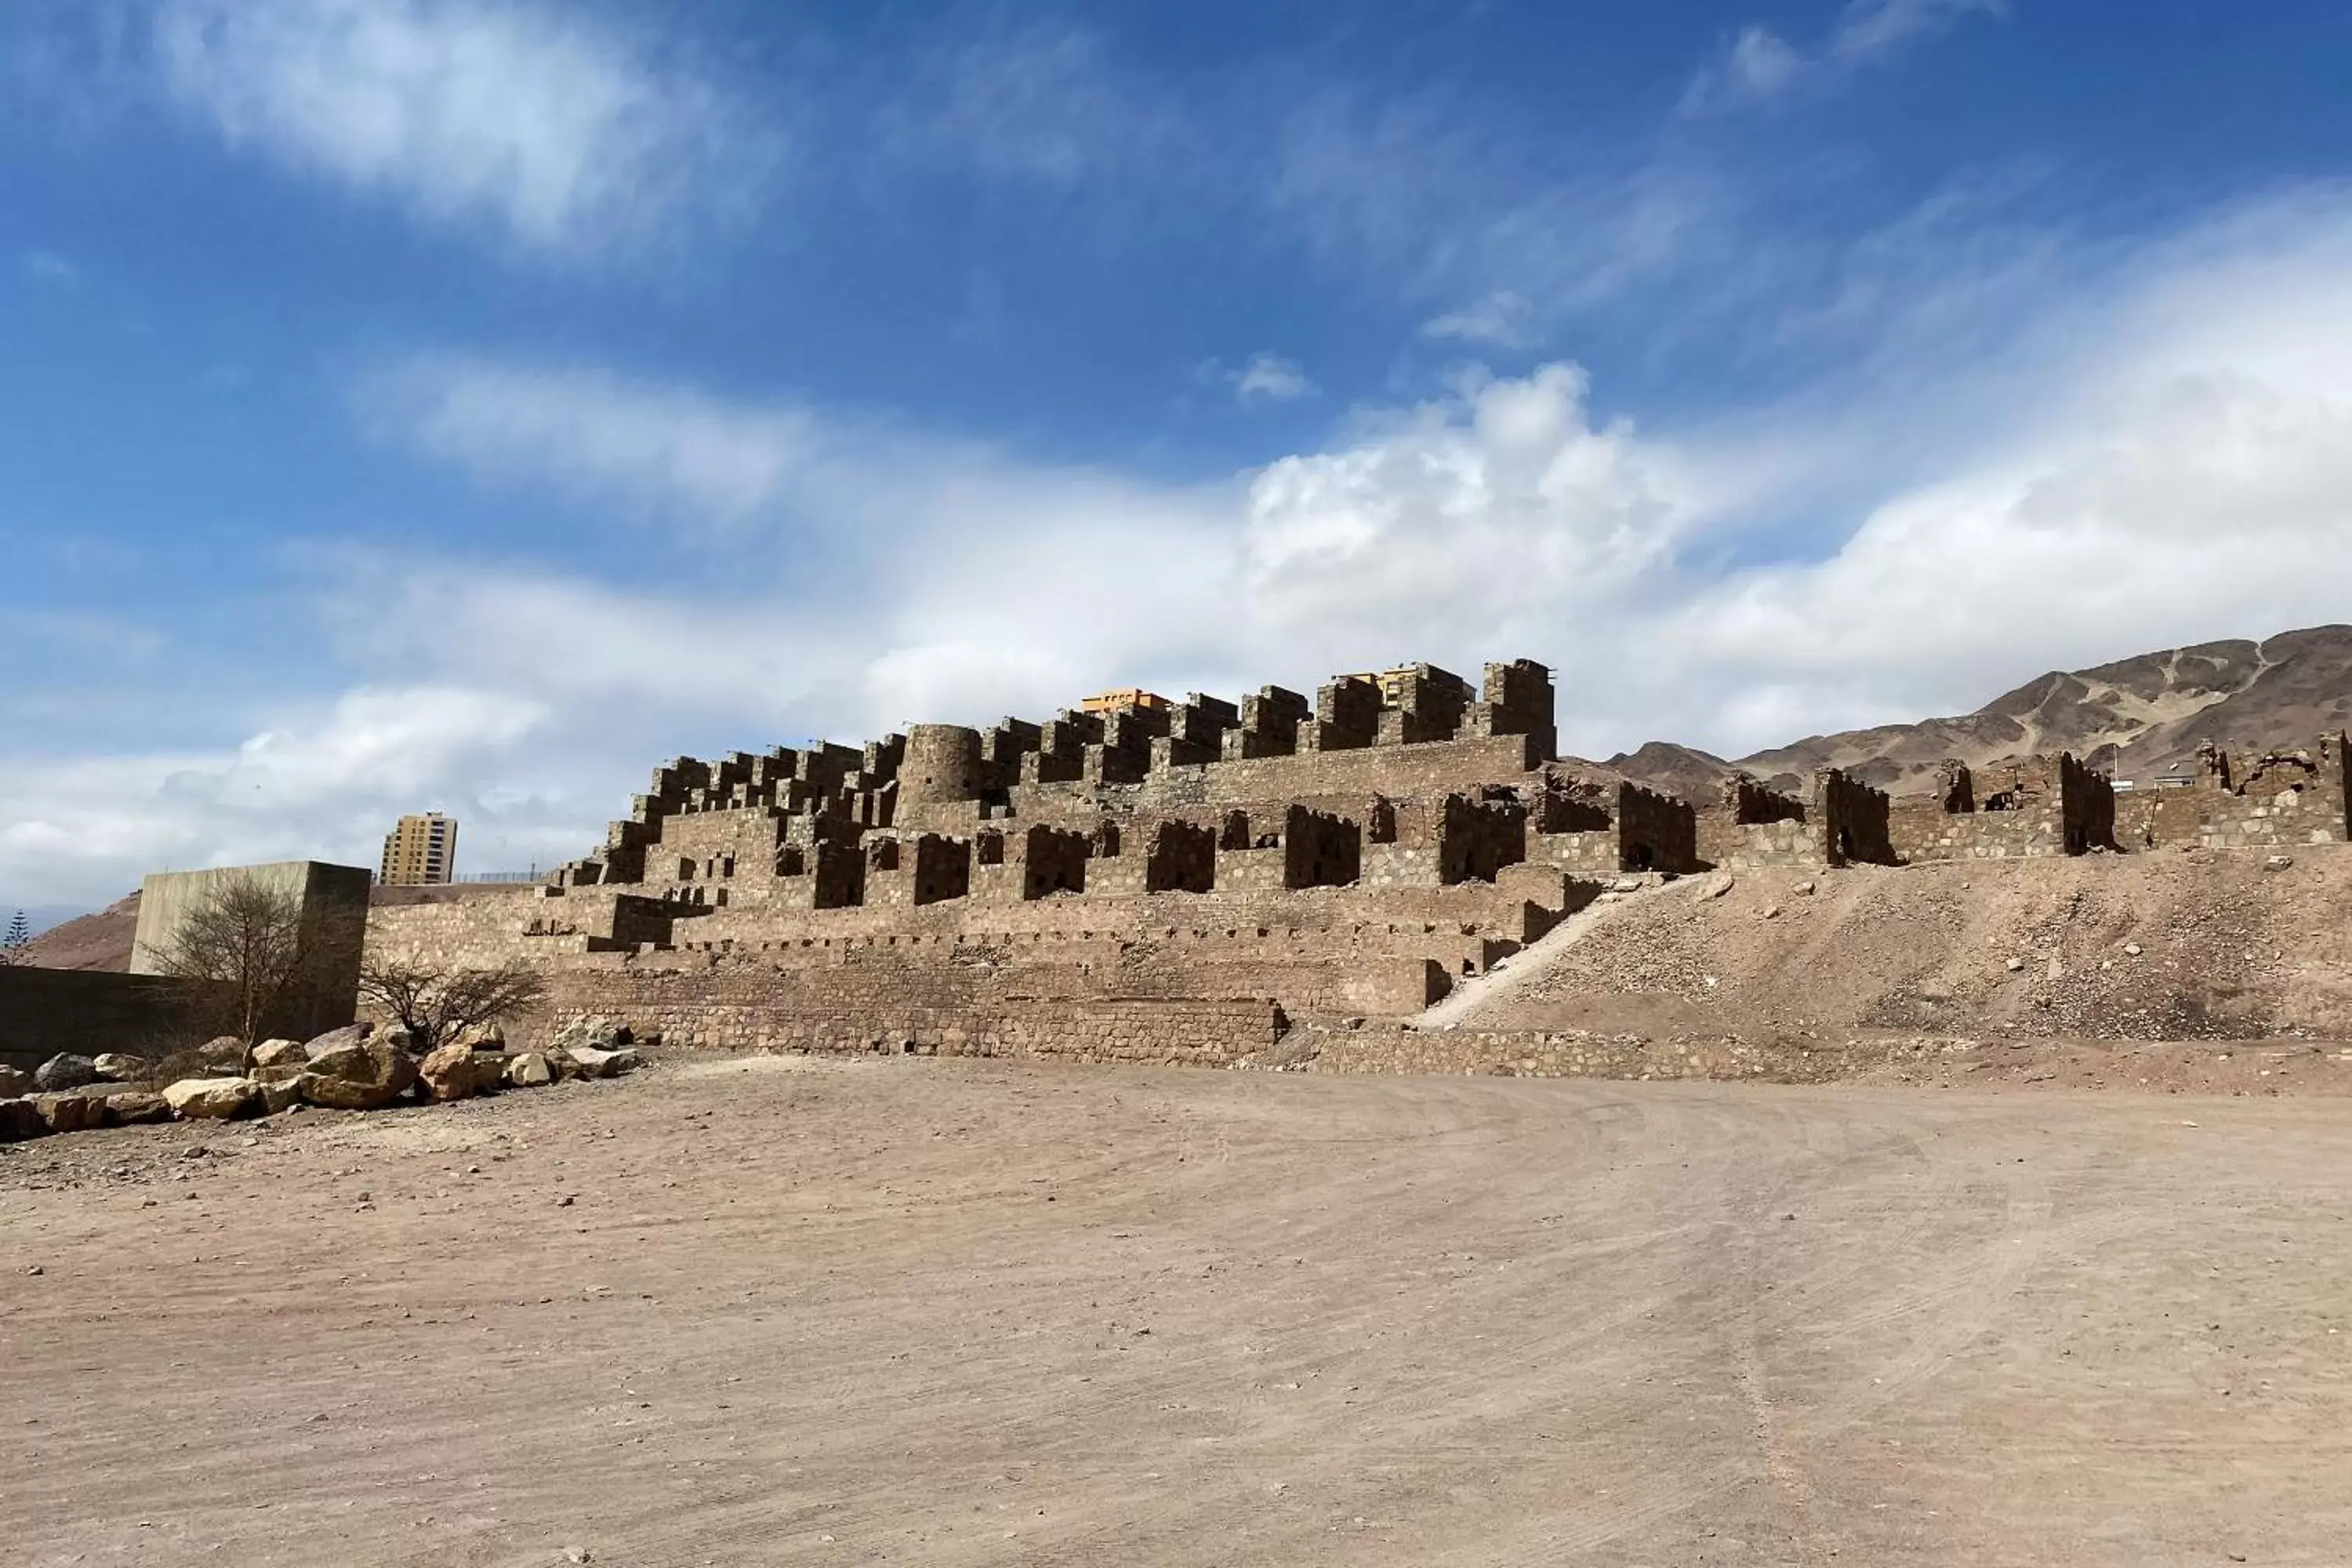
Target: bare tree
[
  {"x": 437, "y": 1003},
  {"x": 250, "y": 937}
]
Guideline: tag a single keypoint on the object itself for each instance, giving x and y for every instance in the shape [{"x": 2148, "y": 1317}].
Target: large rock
[
  {"x": 120, "y": 1066},
  {"x": 483, "y": 1037},
  {"x": 364, "y": 1074},
  {"x": 449, "y": 1073},
  {"x": 597, "y": 1034},
  {"x": 279, "y": 1053},
  {"x": 14, "y": 1084},
  {"x": 63, "y": 1071},
  {"x": 336, "y": 1039},
  {"x": 222, "y": 1054},
  {"x": 283, "y": 1092},
  {"x": 528, "y": 1070},
  {"x": 594, "y": 1063},
  {"x": 217, "y": 1099},
  {"x": 20, "y": 1119},
  {"x": 71, "y": 1112},
  {"x": 127, "y": 1110}
]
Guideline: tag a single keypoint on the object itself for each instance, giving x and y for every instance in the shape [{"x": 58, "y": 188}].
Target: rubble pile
[{"x": 363, "y": 1067}]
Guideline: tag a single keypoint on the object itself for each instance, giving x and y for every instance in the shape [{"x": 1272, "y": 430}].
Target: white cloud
[
  {"x": 595, "y": 435},
  {"x": 324, "y": 784},
  {"x": 1760, "y": 65},
  {"x": 1270, "y": 378},
  {"x": 2158, "y": 457},
  {"x": 560, "y": 134},
  {"x": 47, "y": 267},
  {"x": 1505, "y": 318},
  {"x": 1491, "y": 515},
  {"x": 1868, "y": 28}
]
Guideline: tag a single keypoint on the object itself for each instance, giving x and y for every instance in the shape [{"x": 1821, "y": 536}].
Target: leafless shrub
[{"x": 437, "y": 1003}]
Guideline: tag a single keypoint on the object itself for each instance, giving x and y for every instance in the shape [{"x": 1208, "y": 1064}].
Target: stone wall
[
  {"x": 1841, "y": 822},
  {"x": 2039, "y": 807},
  {"x": 2282, "y": 798},
  {"x": 743, "y": 1011},
  {"x": 1852, "y": 820}
]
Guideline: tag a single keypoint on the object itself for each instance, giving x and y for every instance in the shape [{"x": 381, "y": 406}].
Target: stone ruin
[
  {"x": 2283, "y": 798},
  {"x": 1184, "y": 880},
  {"x": 1208, "y": 868}
]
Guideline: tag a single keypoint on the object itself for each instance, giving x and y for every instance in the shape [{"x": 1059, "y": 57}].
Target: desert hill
[
  {"x": 100, "y": 941},
  {"x": 2138, "y": 717}
]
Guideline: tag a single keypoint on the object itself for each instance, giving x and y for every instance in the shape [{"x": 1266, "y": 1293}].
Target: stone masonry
[{"x": 1206, "y": 874}]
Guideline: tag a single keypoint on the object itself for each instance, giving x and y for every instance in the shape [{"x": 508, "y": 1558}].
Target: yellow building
[
  {"x": 1126, "y": 697},
  {"x": 421, "y": 850}
]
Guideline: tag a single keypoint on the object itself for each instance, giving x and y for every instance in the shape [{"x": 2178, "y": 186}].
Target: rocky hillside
[
  {"x": 100, "y": 940},
  {"x": 2177, "y": 945},
  {"x": 2140, "y": 717}
]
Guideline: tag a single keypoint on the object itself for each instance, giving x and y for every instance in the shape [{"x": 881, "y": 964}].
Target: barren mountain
[
  {"x": 100, "y": 940},
  {"x": 2138, "y": 716}
]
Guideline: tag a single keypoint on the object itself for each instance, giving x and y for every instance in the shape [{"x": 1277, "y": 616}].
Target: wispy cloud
[
  {"x": 1039, "y": 102},
  {"x": 1760, "y": 66},
  {"x": 1504, "y": 319},
  {"x": 48, "y": 267},
  {"x": 662, "y": 449},
  {"x": 1270, "y": 378},
  {"x": 553, "y": 130},
  {"x": 1869, "y": 28}
]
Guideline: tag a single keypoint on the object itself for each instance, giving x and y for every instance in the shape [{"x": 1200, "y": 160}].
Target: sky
[{"x": 468, "y": 404}]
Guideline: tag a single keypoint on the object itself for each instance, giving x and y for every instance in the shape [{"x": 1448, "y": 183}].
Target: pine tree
[{"x": 19, "y": 937}]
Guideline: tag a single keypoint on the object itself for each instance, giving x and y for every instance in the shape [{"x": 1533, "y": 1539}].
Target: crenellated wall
[{"x": 2039, "y": 807}]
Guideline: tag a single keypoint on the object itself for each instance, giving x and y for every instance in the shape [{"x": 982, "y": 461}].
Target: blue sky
[{"x": 469, "y": 403}]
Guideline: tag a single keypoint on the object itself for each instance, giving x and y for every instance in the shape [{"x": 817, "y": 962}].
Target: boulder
[
  {"x": 63, "y": 1071},
  {"x": 594, "y": 1063},
  {"x": 20, "y": 1119},
  {"x": 483, "y": 1037},
  {"x": 364, "y": 1074},
  {"x": 279, "y": 1053},
  {"x": 14, "y": 1084},
  {"x": 448, "y": 1072},
  {"x": 336, "y": 1039},
  {"x": 120, "y": 1066},
  {"x": 597, "y": 1034},
  {"x": 128, "y": 1109},
  {"x": 528, "y": 1070},
  {"x": 222, "y": 1052},
  {"x": 71, "y": 1112},
  {"x": 217, "y": 1099},
  {"x": 280, "y": 1072},
  {"x": 281, "y": 1093}
]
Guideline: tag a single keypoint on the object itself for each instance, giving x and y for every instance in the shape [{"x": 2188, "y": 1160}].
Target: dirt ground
[{"x": 745, "y": 1311}]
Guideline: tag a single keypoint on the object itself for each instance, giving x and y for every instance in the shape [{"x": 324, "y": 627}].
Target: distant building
[
  {"x": 1121, "y": 699},
  {"x": 1389, "y": 681},
  {"x": 422, "y": 849}
]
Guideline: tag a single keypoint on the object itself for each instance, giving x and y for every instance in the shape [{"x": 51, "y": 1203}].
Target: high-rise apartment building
[{"x": 421, "y": 850}]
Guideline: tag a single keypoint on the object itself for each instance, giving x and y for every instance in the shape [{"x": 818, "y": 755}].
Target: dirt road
[{"x": 966, "y": 1313}]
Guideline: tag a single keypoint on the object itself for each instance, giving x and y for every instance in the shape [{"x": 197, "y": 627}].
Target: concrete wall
[
  {"x": 45, "y": 1011},
  {"x": 334, "y": 902}
]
